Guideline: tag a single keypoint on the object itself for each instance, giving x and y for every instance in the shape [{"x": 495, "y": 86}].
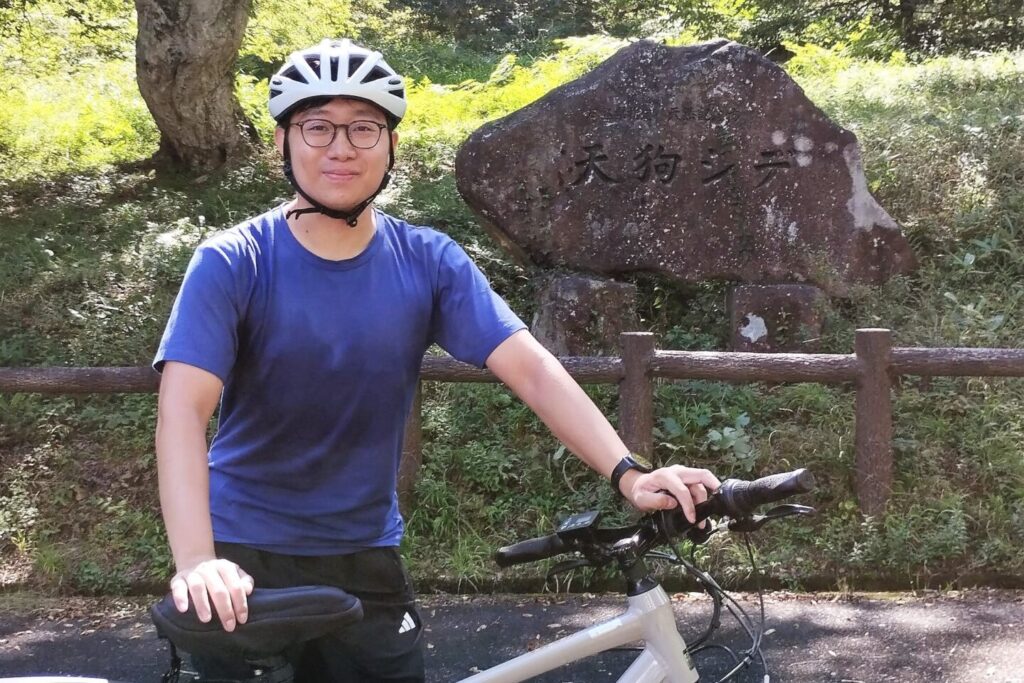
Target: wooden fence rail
[{"x": 872, "y": 369}]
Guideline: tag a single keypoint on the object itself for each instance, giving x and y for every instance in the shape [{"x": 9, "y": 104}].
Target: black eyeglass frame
[{"x": 334, "y": 133}]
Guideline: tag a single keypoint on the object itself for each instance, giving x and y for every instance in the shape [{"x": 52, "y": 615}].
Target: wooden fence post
[
  {"x": 636, "y": 392},
  {"x": 873, "y": 439},
  {"x": 412, "y": 453}
]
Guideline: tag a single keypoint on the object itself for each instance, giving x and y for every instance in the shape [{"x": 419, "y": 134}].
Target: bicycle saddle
[{"x": 278, "y": 619}]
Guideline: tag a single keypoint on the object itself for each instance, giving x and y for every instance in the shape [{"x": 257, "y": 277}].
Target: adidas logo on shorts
[{"x": 407, "y": 624}]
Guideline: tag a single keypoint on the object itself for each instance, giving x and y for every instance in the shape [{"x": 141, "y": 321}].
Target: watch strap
[{"x": 626, "y": 464}]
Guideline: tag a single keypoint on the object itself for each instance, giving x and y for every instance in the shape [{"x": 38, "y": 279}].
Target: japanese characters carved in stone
[{"x": 701, "y": 162}]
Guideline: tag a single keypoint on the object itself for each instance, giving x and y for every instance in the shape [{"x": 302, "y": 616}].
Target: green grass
[{"x": 95, "y": 249}]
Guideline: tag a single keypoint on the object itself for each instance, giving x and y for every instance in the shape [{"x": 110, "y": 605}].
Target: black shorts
[{"x": 387, "y": 645}]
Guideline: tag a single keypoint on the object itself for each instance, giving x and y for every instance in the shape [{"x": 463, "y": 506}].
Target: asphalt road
[{"x": 956, "y": 636}]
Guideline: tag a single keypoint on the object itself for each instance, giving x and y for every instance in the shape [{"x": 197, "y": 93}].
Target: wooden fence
[{"x": 872, "y": 368}]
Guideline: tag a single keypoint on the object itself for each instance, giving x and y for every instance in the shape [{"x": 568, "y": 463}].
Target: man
[{"x": 308, "y": 325}]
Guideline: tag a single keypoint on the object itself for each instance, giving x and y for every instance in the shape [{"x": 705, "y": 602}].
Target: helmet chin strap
[{"x": 352, "y": 215}]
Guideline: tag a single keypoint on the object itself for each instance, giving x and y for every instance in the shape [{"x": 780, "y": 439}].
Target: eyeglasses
[{"x": 360, "y": 134}]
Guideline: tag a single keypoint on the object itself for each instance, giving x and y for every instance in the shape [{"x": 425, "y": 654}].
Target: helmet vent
[
  {"x": 314, "y": 64},
  {"x": 296, "y": 75},
  {"x": 334, "y": 68},
  {"x": 376, "y": 73},
  {"x": 354, "y": 63}
]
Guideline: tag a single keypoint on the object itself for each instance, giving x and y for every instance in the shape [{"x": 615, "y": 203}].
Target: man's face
[{"x": 339, "y": 175}]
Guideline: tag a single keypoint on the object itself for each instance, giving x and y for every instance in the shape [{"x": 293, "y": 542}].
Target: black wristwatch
[{"x": 632, "y": 461}]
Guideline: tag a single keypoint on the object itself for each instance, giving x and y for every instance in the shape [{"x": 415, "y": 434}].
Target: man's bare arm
[
  {"x": 188, "y": 398},
  {"x": 537, "y": 377}
]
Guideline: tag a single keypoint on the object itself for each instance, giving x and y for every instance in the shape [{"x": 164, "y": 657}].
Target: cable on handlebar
[{"x": 733, "y": 505}]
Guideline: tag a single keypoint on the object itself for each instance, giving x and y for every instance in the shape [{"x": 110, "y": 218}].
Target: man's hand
[
  {"x": 221, "y": 582},
  {"x": 689, "y": 485}
]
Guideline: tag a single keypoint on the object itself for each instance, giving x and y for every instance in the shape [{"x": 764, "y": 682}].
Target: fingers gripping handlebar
[{"x": 736, "y": 499}]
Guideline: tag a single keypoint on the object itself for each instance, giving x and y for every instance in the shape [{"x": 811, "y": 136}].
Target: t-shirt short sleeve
[
  {"x": 202, "y": 330},
  {"x": 470, "y": 320}
]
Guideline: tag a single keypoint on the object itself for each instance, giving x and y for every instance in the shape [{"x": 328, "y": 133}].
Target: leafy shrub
[{"x": 65, "y": 122}]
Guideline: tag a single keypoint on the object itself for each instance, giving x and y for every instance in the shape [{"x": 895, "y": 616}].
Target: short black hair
[{"x": 303, "y": 105}]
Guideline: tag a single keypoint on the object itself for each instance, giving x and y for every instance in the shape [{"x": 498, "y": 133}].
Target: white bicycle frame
[{"x": 649, "y": 618}]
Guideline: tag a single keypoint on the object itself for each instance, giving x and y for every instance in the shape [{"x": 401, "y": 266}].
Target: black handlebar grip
[
  {"x": 740, "y": 498},
  {"x": 530, "y": 550}
]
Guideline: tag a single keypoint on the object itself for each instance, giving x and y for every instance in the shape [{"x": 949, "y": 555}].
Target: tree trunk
[
  {"x": 910, "y": 35},
  {"x": 185, "y": 54}
]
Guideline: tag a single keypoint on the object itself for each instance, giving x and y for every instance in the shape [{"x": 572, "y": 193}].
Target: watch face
[{"x": 642, "y": 461}]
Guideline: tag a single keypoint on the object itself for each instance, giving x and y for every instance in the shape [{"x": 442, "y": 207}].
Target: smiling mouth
[{"x": 340, "y": 175}]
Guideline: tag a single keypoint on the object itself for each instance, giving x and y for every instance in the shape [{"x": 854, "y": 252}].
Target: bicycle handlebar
[
  {"x": 735, "y": 498},
  {"x": 740, "y": 498},
  {"x": 530, "y": 550}
]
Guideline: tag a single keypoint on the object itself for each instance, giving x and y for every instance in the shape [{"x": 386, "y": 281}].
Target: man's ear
[
  {"x": 279, "y": 140},
  {"x": 394, "y": 139}
]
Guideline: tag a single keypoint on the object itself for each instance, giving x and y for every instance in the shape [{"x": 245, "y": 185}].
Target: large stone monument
[{"x": 701, "y": 162}]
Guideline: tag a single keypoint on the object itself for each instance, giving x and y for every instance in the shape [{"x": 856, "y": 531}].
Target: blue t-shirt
[{"x": 320, "y": 361}]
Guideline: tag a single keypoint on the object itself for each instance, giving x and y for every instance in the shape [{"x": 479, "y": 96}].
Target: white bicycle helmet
[{"x": 337, "y": 68}]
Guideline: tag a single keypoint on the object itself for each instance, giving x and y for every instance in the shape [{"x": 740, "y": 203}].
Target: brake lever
[
  {"x": 694, "y": 533},
  {"x": 699, "y": 536},
  {"x": 567, "y": 566},
  {"x": 755, "y": 522}
]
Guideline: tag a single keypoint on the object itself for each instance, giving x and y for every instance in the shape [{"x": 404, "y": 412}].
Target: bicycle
[{"x": 281, "y": 618}]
